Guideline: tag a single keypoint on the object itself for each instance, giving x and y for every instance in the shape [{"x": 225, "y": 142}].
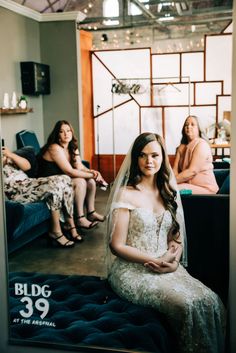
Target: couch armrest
[{"x": 221, "y": 175}]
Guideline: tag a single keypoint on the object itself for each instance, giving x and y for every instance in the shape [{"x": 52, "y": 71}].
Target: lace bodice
[{"x": 153, "y": 228}]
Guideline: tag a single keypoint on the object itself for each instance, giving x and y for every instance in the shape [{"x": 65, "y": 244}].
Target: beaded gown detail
[{"x": 195, "y": 313}]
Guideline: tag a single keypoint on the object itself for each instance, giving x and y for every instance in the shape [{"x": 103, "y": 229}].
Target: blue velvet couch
[{"x": 27, "y": 221}]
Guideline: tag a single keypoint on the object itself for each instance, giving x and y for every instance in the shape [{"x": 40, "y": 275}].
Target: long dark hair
[
  {"x": 54, "y": 138},
  {"x": 168, "y": 193},
  {"x": 184, "y": 139}
]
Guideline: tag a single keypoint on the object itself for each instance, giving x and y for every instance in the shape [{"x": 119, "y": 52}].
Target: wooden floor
[{"x": 86, "y": 258}]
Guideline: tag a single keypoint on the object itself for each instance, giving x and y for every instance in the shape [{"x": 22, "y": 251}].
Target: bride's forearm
[{"x": 132, "y": 254}]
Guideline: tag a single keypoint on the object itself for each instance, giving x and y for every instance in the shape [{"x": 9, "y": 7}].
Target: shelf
[{"x": 15, "y": 111}]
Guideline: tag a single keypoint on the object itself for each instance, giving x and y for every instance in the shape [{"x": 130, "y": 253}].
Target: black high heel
[
  {"x": 91, "y": 225},
  {"x": 53, "y": 239},
  {"x": 77, "y": 239},
  {"x": 96, "y": 218}
]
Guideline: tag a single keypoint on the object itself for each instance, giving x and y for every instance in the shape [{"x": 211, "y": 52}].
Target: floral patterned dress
[
  {"x": 195, "y": 313},
  {"x": 56, "y": 190}
]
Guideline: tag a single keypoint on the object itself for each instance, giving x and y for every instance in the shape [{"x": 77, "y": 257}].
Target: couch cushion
[
  {"x": 28, "y": 152},
  {"x": 221, "y": 165}
]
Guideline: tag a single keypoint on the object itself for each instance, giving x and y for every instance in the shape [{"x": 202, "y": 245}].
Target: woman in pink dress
[{"x": 193, "y": 165}]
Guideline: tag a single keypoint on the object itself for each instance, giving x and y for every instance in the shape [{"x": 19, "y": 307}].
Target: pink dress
[{"x": 204, "y": 181}]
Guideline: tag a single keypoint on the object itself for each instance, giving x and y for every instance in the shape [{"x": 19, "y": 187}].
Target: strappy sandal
[
  {"x": 92, "y": 219},
  {"x": 54, "y": 239},
  {"x": 78, "y": 238},
  {"x": 91, "y": 225}
]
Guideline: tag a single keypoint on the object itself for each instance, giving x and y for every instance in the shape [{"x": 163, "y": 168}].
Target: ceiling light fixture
[
  {"x": 167, "y": 17},
  {"x": 111, "y": 22}
]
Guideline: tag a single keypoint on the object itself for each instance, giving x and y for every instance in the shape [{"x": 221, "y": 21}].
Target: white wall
[{"x": 19, "y": 40}]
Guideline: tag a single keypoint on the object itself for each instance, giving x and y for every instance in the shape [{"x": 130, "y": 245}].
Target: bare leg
[
  {"x": 56, "y": 232},
  {"x": 91, "y": 193},
  {"x": 90, "y": 201},
  {"x": 80, "y": 191},
  {"x": 70, "y": 226}
]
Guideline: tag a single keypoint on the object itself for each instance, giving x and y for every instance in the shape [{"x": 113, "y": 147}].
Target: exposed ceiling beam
[
  {"x": 66, "y": 5},
  {"x": 194, "y": 18},
  {"x": 49, "y": 6},
  {"x": 144, "y": 10}
]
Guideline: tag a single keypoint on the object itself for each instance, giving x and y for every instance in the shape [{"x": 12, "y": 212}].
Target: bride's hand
[
  {"x": 163, "y": 267},
  {"x": 169, "y": 255}
]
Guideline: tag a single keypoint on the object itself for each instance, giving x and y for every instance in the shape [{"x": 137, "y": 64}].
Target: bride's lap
[{"x": 177, "y": 289}]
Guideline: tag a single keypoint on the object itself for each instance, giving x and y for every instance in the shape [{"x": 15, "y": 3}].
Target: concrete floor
[{"x": 86, "y": 258}]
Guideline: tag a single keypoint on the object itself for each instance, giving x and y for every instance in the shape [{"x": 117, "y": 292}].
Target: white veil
[{"x": 115, "y": 196}]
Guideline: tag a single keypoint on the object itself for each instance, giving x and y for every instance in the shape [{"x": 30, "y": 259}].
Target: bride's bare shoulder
[{"x": 127, "y": 194}]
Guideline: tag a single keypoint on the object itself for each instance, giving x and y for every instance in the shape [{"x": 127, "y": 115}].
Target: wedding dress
[{"x": 195, "y": 313}]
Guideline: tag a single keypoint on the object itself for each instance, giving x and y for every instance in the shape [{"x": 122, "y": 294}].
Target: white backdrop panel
[
  {"x": 174, "y": 119},
  {"x": 206, "y": 92},
  {"x": 166, "y": 66},
  {"x": 224, "y": 104},
  {"x": 151, "y": 120},
  {"x": 126, "y": 126},
  {"x": 103, "y": 133},
  {"x": 206, "y": 117},
  {"x": 102, "y": 84},
  {"x": 127, "y": 63},
  {"x": 169, "y": 94},
  {"x": 218, "y": 60},
  {"x": 191, "y": 61}
]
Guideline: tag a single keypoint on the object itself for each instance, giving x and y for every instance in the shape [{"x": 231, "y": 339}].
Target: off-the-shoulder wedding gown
[{"x": 195, "y": 313}]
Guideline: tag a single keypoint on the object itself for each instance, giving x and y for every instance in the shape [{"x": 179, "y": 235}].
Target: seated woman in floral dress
[{"x": 56, "y": 190}]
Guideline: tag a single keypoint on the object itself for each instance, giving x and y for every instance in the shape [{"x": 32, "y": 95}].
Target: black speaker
[{"x": 35, "y": 78}]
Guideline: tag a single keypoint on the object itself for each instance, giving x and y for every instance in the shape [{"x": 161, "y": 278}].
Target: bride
[{"x": 147, "y": 236}]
